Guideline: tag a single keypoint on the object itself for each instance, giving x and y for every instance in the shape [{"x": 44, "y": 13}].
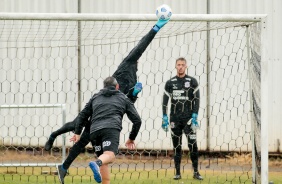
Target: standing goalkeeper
[
  {"x": 185, "y": 99},
  {"x": 127, "y": 79}
]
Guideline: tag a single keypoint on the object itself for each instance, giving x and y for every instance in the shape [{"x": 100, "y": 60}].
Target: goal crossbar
[
  {"x": 33, "y": 106},
  {"x": 131, "y": 17}
]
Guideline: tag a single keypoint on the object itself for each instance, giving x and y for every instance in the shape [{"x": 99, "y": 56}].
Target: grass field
[
  {"x": 136, "y": 170},
  {"x": 164, "y": 176}
]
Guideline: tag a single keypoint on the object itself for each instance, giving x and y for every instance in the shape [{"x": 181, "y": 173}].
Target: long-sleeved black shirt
[
  {"x": 185, "y": 98},
  {"x": 126, "y": 71},
  {"x": 106, "y": 109}
]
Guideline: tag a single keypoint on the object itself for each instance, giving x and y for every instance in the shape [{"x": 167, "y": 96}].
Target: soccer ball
[{"x": 163, "y": 12}]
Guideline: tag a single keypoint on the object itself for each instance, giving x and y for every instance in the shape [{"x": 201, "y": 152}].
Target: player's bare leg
[{"x": 104, "y": 169}]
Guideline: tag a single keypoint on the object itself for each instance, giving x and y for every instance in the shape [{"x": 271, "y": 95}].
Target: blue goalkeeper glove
[
  {"x": 195, "y": 125},
  {"x": 137, "y": 89},
  {"x": 165, "y": 123},
  {"x": 160, "y": 23}
]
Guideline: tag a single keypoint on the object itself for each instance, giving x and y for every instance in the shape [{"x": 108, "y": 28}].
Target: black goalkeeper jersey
[
  {"x": 126, "y": 71},
  {"x": 185, "y": 98}
]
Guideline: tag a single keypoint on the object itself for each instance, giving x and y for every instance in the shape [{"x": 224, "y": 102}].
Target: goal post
[{"x": 64, "y": 58}]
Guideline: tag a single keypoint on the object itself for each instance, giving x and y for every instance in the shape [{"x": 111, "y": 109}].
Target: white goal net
[{"x": 64, "y": 58}]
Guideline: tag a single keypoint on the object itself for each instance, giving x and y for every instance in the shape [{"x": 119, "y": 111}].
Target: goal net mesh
[{"x": 66, "y": 61}]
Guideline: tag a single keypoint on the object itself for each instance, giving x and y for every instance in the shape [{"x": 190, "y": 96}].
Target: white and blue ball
[{"x": 163, "y": 12}]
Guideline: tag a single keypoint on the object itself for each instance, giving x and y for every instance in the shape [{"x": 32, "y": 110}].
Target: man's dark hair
[
  {"x": 181, "y": 59},
  {"x": 110, "y": 81}
]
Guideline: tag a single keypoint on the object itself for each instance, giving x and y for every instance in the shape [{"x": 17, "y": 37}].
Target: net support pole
[
  {"x": 208, "y": 79},
  {"x": 79, "y": 58},
  {"x": 251, "y": 106},
  {"x": 264, "y": 103}
]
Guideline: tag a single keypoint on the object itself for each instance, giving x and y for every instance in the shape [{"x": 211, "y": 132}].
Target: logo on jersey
[
  {"x": 177, "y": 95},
  {"x": 97, "y": 148},
  {"x": 193, "y": 136},
  {"x": 106, "y": 143},
  {"x": 174, "y": 86},
  {"x": 187, "y": 84}
]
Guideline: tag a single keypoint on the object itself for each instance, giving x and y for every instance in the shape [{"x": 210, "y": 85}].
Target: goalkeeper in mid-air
[{"x": 127, "y": 79}]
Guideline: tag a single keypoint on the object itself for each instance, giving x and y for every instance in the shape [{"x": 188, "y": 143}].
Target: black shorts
[{"x": 106, "y": 139}]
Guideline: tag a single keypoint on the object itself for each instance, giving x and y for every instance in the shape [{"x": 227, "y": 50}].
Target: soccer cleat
[
  {"x": 197, "y": 176},
  {"x": 177, "y": 177},
  {"x": 49, "y": 144},
  {"x": 61, "y": 173},
  {"x": 96, "y": 171}
]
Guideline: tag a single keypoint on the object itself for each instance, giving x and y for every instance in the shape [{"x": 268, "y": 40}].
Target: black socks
[{"x": 99, "y": 162}]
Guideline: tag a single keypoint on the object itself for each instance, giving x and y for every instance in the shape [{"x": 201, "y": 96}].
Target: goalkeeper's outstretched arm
[
  {"x": 138, "y": 50},
  {"x": 126, "y": 71}
]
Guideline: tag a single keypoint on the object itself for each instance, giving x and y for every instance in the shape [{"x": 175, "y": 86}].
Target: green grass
[{"x": 31, "y": 175}]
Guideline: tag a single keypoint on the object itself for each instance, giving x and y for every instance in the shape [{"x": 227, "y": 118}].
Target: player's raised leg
[{"x": 70, "y": 126}]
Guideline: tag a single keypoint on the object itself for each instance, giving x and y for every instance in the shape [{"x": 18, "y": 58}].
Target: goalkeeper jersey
[
  {"x": 185, "y": 98},
  {"x": 126, "y": 72}
]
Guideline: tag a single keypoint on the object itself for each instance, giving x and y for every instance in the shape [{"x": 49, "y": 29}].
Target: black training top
[
  {"x": 185, "y": 98},
  {"x": 126, "y": 71},
  {"x": 106, "y": 109}
]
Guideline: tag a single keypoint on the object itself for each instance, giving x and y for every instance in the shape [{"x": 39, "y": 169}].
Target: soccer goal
[
  {"x": 24, "y": 128},
  {"x": 64, "y": 58}
]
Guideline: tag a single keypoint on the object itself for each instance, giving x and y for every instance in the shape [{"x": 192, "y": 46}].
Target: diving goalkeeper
[{"x": 127, "y": 78}]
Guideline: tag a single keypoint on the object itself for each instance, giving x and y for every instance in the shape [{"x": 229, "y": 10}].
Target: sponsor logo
[
  {"x": 97, "y": 148},
  {"x": 172, "y": 124},
  {"x": 174, "y": 86},
  {"x": 193, "y": 136},
  {"x": 106, "y": 143},
  {"x": 177, "y": 93},
  {"x": 181, "y": 98}
]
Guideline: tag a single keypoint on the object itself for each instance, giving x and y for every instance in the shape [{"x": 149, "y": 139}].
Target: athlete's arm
[
  {"x": 166, "y": 97},
  {"x": 83, "y": 116},
  {"x": 196, "y": 99}
]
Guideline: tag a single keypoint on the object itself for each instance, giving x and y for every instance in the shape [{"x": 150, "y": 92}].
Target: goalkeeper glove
[
  {"x": 165, "y": 123},
  {"x": 160, "y": 23},
  {"x": 195, "y": 125},
  {"x": 137, "y": 89}
]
